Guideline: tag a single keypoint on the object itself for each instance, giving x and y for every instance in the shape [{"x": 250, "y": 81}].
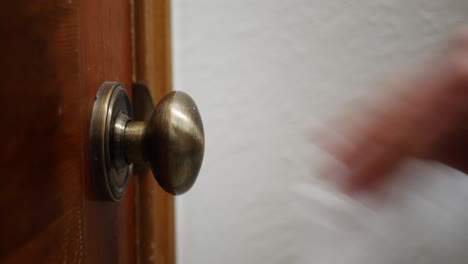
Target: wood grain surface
[
  {"x": 152, "y": 56},
  {"x": 55, "y": 56}
]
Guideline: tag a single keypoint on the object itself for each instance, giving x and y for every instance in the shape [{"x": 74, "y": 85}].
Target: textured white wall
[{"x": 263, "y": 72}]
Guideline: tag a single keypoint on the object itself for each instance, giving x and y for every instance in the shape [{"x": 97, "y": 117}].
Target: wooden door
[{"x": 55, "y": 55}]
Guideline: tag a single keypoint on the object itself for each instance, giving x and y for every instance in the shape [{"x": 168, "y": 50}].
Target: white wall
[{"x": 263, "y": 72}]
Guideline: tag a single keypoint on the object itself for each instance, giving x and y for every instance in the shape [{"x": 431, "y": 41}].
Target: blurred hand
[{"x": 422, "y": 113}]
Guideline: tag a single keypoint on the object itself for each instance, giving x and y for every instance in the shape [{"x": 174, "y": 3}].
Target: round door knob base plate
[{"x": 110, "y": 171}]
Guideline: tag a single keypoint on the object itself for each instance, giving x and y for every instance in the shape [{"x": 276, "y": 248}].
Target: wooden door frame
[{"x": 152, "y": 66}]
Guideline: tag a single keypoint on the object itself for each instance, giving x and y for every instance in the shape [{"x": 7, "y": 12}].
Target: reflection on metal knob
[{"x": 171, "y": 142}]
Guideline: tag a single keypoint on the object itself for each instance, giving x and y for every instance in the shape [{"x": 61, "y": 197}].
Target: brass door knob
[{"x": 171, "y": 142}]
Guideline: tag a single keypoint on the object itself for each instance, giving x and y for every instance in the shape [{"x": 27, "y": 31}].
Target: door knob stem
[{"x": 134, "y": 142}]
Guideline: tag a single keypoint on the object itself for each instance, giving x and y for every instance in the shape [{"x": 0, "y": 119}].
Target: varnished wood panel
[
  {"x": 55, "y": 54},
  {"x": 42, "y": 144},
  {"x": 105, "y": 47},
  {"x": 155, "y": 218}
]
